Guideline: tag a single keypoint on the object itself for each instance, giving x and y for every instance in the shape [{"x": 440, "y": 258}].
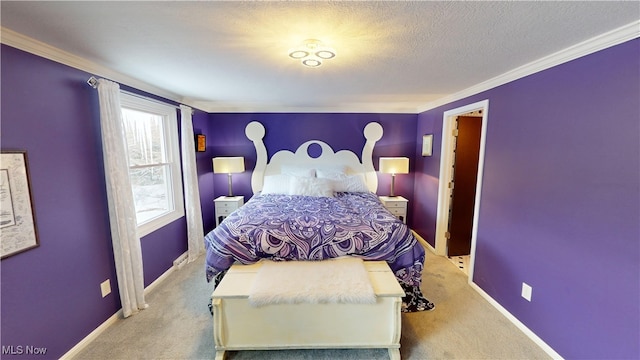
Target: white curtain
[
  {"x": 122, "y": 215},
  {"x": 195, "y": 231}
]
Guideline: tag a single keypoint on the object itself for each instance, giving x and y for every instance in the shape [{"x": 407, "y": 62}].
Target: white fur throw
[{"x": 342, "y": 280}]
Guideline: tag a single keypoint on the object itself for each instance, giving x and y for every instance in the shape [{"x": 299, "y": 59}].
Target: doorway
[
  {"x": 463, "y": 183},
  {"x": 459, "y": 199}
]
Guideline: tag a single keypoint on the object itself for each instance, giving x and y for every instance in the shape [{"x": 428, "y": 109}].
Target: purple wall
[
  {"x": 49, "y": 111},
  {"x": 424, "y": 206},
  {"x": 560, "y": 201},
  {"x": 202, "y": 125},
  {"x": 559, "y": 206},
  {"x": 288, "y": 131}
]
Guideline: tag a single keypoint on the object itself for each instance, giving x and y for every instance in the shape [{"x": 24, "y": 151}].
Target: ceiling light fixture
[{"x": 311, "y": 53}]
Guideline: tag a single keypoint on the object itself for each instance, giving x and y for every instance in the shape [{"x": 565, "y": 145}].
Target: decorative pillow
[
  {"x": 350, "y": 183},
  {"x": 310, "y": 186},
  {"x": 300, "y": 171},
  {"x": 343, "y": 182},
  {"x": 331, "y": 172},
  {"x": 276, "y": 184}
]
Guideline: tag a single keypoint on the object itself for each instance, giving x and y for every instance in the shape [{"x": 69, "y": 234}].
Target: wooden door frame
[{"x": 446, "y": 163}]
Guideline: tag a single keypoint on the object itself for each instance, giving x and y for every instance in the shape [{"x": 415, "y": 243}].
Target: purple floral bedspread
[{"x": 284, "y": 227}]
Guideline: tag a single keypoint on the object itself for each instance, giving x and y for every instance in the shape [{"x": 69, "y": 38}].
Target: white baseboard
[
  {"x": 544, "y": 346},
  {"x": 92, "y": 336},
  {"x": 177, "y": 264}
]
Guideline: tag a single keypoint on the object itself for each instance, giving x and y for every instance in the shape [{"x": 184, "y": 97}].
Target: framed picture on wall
[
  {"x": 201, "y": 143},
  {"x": 17, "y": 220},
  {"x": 427, "y": 145}
]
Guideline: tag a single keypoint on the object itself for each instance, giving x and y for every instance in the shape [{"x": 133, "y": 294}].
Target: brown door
[{"x": 465, "y": 177}]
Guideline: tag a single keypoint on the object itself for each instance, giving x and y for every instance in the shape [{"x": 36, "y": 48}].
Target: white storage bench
[{"x": 240, "y": 326}]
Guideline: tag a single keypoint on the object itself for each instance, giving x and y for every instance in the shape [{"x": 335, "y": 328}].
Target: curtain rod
[{"x": 93, "y": 82}]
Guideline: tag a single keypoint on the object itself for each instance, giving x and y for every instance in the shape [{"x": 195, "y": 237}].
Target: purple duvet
[{"x": 286, "y": 227}]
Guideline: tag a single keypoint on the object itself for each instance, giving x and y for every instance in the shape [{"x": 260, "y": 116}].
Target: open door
[
  {"x": 463, "y": 186},
  {"x": 479, "y": 110}
]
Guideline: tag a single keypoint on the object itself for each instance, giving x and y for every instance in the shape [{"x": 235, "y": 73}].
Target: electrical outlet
[
  {"x": 526, "y": 291},
  {"x": 105, "y": 287}
]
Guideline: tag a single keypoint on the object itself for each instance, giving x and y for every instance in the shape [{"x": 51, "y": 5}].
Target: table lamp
[
  {"x": 393, "y": 166},
  {"x": 228, "y": 165}
]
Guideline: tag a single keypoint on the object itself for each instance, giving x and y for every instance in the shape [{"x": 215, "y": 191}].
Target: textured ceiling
[{"x": 392, "y": 56}]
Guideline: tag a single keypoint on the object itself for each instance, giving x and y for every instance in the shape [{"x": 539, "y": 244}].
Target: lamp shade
[
  {"x": 228, "y": 165},
  {"x": 394, "y": 165}
]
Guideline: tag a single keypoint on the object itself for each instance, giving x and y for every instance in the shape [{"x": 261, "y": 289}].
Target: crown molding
[
  {"x": 600, "y": 42},
  {"x": 33, "y": 46},
  {"x": 374, "y": 108},
  {"x": 30, "y": 45}
]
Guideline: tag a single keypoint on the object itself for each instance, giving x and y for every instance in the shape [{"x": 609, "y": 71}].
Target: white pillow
[
  {"x": 343, "y": 182},
  {"x": 350, "y": 183},
  {"x": 300, "y": 171},
  {"x": 276, "y": 184},
  {"x": 331, "y": 172},
  {"x": 310, "y": 186}
]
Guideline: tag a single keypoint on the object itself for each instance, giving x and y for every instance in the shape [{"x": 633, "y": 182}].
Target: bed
[{"x": 316, "y": 204}]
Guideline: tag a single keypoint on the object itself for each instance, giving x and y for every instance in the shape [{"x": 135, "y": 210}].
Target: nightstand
[
  {"x": 397, "y": 205},
  {"x": 225, "y": 205}
]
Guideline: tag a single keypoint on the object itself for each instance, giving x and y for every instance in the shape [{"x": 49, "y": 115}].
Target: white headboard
[{"x": 328, "y": 157}]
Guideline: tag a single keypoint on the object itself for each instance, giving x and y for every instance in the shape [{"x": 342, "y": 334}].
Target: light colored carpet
[{"x": 178, "y": 325}]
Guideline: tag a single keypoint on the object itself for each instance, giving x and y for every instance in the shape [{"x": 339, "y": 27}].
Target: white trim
[
  {"x": 446, "y": 160},
  {"x": 159, "y": 280},
  {"x": 118, "y": 315},
  {"x": 446, "y": 163},
  {"x": 530, "y": 334},
  {"x": 30, "y": 45},
  {"x": 342, "y": 108},
  {"x": 597, "y": 43},
  {"x": 172, "y": 152},
  {"x": 600, "y": 42},
  {"x": 480, "y": 176},
  {"x": 92, "y": 336}
]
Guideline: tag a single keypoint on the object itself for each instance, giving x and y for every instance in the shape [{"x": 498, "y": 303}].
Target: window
[{"x": 151, "y": 131}]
